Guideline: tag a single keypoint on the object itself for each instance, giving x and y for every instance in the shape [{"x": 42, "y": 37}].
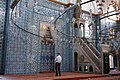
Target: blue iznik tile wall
[
  {"x": 25, "y": 54},
  {"x": 63, "y": 41}
]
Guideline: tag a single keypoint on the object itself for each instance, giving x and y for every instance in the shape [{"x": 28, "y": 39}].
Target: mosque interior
[{"x": 85, "y": 32}]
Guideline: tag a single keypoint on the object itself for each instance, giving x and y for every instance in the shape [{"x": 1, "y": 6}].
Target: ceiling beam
[{"x": 61, "y": 3}]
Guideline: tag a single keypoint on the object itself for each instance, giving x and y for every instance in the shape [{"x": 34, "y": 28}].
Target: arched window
[
  {"x": 80, "y": 68},
  {"x": 75, "y": 30},
  {"x": 82, "y": 31},
  {"x": 91, "y": 69},
  {"x": 85, "y": 68}
]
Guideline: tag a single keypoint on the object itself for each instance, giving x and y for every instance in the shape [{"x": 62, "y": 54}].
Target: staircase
[
  {"x": 90, "y": 45},
  {"x": 92, "y": 53}
]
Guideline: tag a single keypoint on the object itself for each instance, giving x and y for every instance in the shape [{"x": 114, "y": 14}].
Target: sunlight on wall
[
  {"x": 88, "y": 6},
  {"x": 87, "y": 31}
]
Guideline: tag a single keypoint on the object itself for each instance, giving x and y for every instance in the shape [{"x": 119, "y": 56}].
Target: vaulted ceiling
[{"x": 106, "y": 5}]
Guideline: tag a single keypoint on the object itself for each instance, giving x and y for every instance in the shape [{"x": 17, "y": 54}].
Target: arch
[
  {"x": 46, "y": 46},
  {"x": 80, "y": 68},
  {"x": 113, "y": 57},
  {"x": 85, "y": 68},
  {"x": 91, "y": 69},
  {"x": 82, "y": 31},
  {"x": 75, "y": 61},
  {"x": 111, "y": 61},
  {"x": 75, "y": 30}
]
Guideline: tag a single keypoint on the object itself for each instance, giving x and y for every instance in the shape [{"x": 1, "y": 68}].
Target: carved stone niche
[
  {"x": 47, "y": 39},
  {"x": 47, "y": 54}
]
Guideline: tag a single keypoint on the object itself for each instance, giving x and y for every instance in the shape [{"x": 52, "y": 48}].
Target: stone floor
[
  {"x": 114, "y": 75},
  {"x": 49, "y": 76}
]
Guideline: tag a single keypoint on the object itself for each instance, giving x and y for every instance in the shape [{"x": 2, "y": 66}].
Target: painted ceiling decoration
[
  {"x": 100, "y": 4},
  {"x": 104, "y": 8},
  {"x": 113, "y": 7}
]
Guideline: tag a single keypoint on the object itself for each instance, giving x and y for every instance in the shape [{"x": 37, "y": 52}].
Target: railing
[
  {"x": 90, "y": 54},
  {"x": 91, "y": 59},
  {"x": 90, "y": 45}
]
